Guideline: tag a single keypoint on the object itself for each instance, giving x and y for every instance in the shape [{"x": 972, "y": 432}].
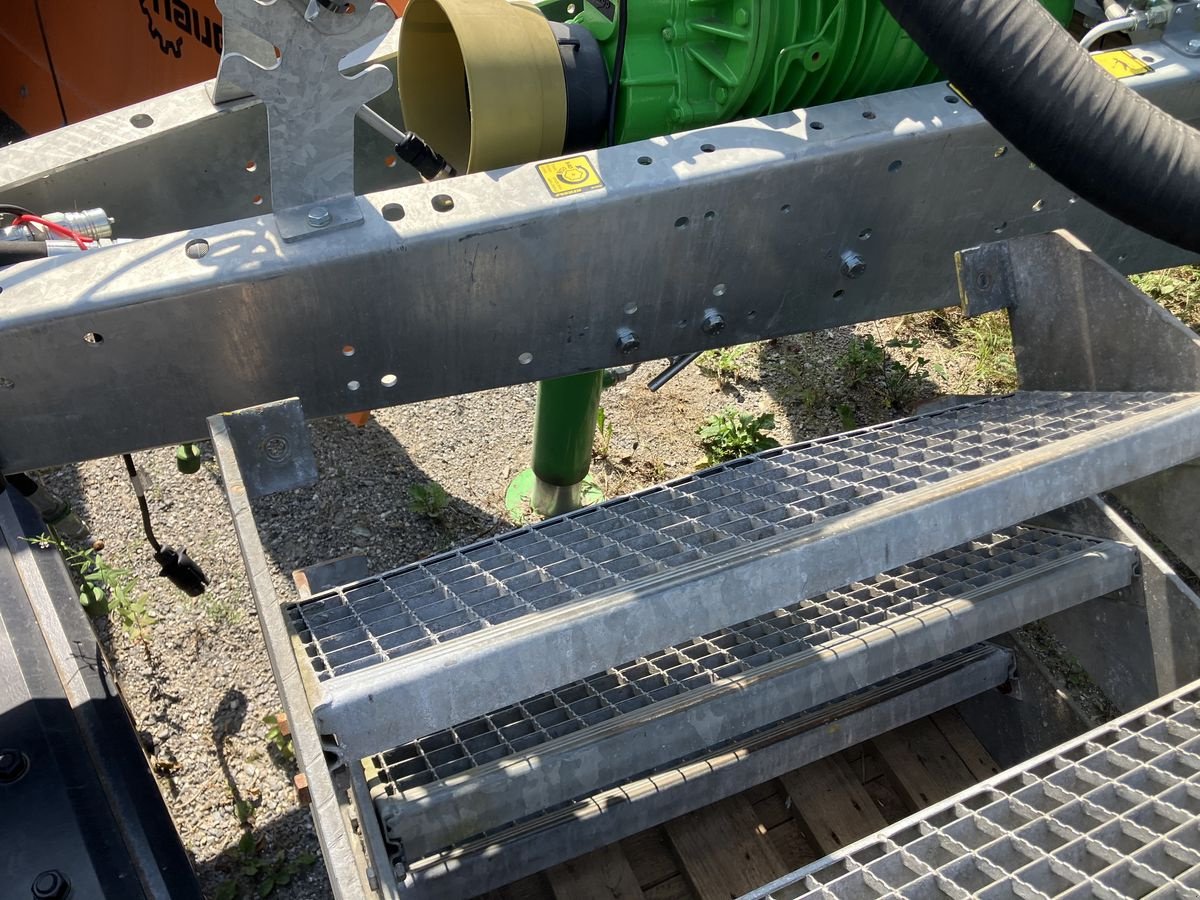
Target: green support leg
[{"x": 563, "y": 429}]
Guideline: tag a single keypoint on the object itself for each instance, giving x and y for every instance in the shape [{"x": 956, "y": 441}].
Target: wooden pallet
[{"x": 745, "y": 841}]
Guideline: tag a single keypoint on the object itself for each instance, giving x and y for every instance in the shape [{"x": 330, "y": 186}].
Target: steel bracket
[
  {"x": 272, "y": 447},
  {"x": 985, "y": 278},
  {"x": 1182, "y": 31},
  {"x": 310, "y": 104}
]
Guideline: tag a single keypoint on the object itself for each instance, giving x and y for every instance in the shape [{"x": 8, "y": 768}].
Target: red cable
[{"x": 61, "y": 230}]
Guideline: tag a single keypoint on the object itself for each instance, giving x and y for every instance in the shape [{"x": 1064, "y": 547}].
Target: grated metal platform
[
  {"x": 1114, "y": 814},
  {"x": 544, "y": 605},
  {"x": 645, "y": 800},
  {"x": 653, "y": 711}
]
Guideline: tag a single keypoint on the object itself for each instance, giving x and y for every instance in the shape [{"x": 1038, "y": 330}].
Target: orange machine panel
[
  {"x": 27, "y": 91},
  {"x": 108, "y": 54}
]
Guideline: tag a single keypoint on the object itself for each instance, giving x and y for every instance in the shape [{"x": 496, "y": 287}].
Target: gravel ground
[{"x": 201, "y": 685}]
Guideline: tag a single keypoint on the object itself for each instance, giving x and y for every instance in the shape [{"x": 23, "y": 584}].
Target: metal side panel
[
  {"x": 458, "y": 285},
  {"x": 1113, "y": 814},
  {"x": 589, "y": 735},
  {"x": 543, "y": 606},
  {"x": 644, "y": 800},
  {"x": 350, "y": 873}
]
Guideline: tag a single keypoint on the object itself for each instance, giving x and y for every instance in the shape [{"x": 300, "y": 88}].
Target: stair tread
[
  {"x": 676, "y": 704},
  {"x": 1110, "y": 813},
  {"x": 573, "y": 583}
]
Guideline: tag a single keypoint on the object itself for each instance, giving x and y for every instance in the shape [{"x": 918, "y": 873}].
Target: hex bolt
[
  {"x": 714, "y": 322},
  {"x": 627, "y": 341},
  {"x": 853, "y": 265},
  {"x": 1194, "y": 45},
  {"x": 51, "y": 885},
  {"x": 13, "y": 765},
  {"x": 319, "y": 217}
]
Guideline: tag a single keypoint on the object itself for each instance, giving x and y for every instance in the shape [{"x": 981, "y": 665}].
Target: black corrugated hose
[{"x": 1084, "y": 128}]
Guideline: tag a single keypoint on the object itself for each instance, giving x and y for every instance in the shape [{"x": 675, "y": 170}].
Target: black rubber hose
[
  {"x": 1084, "y": 128},
  {"x": 21, "y": 251}
]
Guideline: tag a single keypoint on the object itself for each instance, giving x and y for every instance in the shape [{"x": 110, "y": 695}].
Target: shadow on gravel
[{"x": 371, "y": 499}]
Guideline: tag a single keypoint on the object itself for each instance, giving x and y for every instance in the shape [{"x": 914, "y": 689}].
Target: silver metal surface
[
  {"x": 640, "y": 715},
  {"x": 272, "y": 447},
  {"x": 1113, "y": 814},
  {"x": 311, "y": 105},
  {"x": 342, "y": 861},
  {"x": 548, "y": 604},
  {"x": 1182, "y": 31},
  {"x": 91, "y": 223},
  {"x": 440, "y": 297},
  {"x": 646, "y": 800}
]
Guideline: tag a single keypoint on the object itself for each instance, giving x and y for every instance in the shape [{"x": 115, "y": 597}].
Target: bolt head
[
  {"x": 714, "y": 323},
  {"x": 853, "y": 265},
  {"x": 319, "y": 217},
  {"x": 627, "y": 341},
  {"x": 13, "y": 765},
  {"x": 51, "y": 885},
  {"x": 1194, "y": 45}
]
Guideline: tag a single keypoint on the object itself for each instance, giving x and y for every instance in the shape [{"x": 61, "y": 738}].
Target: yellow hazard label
[
  {"x": 573, "y": 175},
  {"x": 1121, "y": 64}
]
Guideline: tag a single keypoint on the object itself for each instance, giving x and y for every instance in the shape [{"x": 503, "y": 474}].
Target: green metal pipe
[{"x": 563, "y": 427}]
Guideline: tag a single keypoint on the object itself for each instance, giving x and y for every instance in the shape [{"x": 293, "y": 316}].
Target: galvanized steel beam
[{"x": 434, "y": 294}]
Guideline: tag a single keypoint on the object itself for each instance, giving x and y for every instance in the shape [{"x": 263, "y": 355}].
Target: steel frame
[{"x": 750, "y": 218}]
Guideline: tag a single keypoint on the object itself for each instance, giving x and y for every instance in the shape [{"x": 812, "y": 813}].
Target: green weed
[
  {"x": 1177, "y": 290},
  {"x": 604, "y": 433},
  {"x": 725, "y": 364},
  {"x": 428, "y": 499},
  {"x": 866, "y": 363},
  {"x": 104, "y": 589},
  {"x": 279, "y": 735},
  {"x": 259, "y": 875},
  {"x": 863, "y": 361},
  {"x": 732, "y": 433}
]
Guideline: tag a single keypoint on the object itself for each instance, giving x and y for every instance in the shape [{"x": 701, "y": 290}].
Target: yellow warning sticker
[
  {"x": 1122, "y": 64},
  {"x": 573, "y": 175}
]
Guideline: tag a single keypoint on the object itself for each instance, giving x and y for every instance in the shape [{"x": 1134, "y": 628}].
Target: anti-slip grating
[
  {"x": 1113, "y": 815},
  {"x": 701, "y": 661},
  {"x": 701, "y": 516}
]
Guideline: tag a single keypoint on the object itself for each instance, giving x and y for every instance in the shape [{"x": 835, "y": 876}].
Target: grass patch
[{"x": 1177, "y": 290}]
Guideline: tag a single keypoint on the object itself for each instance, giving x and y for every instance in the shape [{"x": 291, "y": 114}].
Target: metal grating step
[
  {"x": 655, "y": 710},
  {"x": 1114, "y": 814},
  {"x": 544, "y": 605},
  {"x": 642, "y": 801}
]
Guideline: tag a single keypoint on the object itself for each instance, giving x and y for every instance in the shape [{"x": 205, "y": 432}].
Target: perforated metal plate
[{"x": 1115, "y": 814}]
